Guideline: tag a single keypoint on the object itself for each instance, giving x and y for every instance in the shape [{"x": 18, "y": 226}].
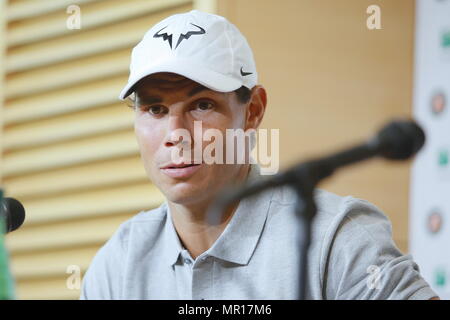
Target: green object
[
  {"x": 440, "y": 277},
  {"x": 445, "y": 41},
  {"x": 6, "y": 281},
  {"x": 443, "y": 158}
]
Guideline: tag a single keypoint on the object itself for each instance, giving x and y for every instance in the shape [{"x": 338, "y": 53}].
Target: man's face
[{"x": 166, "y": 103}]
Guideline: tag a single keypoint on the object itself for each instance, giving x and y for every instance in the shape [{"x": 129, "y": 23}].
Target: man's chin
[{"x": 184, "y": 193}]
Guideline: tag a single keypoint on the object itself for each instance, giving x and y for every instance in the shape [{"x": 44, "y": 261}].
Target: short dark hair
[{"x": 243, "y": 95}]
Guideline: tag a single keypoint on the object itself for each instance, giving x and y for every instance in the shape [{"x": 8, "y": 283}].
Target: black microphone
[
  {"x": 399, "y": 140},
  {"x": 13, "y": 212}
]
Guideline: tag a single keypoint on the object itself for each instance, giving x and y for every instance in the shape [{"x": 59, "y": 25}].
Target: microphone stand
[
  {"x": 305, "y": 210},
  {"x": 304, "y": 178}
]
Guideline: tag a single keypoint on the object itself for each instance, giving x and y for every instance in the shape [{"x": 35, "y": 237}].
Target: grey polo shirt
[{"x": 352, "y": 255}]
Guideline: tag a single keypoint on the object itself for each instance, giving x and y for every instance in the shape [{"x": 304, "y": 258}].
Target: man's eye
[
  {"x": 204, "y": 105},
  {"x": 156, "y": 110}
]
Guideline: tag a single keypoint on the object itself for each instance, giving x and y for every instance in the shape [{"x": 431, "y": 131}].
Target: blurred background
[{"x": 68, "y": 150}]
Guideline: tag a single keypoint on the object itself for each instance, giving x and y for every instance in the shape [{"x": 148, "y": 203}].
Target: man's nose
[{"x": 177, "y": 131}]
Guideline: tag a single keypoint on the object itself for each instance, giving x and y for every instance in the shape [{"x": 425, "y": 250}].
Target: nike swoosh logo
[{"x": 245, "y": 73}]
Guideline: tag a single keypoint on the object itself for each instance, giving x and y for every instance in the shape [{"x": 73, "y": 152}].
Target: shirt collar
[
  {"x": 171, "y": 240},
  {"x": 239, "y": 239}
]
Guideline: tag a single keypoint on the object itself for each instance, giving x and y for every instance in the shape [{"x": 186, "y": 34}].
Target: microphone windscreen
[
  {"x": 14, "y": 214},
  {"x": 400, "y": 139}
]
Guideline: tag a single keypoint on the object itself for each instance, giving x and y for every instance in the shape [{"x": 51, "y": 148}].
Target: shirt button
[{"x": 187, "y": 261}]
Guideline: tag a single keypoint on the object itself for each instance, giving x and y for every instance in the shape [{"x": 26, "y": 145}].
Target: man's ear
[{"x": 256, "y": 107}]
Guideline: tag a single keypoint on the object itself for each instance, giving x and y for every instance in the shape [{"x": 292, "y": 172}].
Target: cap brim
[{"x": 206, "y": 77}]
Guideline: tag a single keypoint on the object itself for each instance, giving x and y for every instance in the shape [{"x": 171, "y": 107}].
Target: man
[{"x": 198, "y": 67}]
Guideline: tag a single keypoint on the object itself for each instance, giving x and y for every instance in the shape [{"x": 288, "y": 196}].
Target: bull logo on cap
[{"x": 187, "y": 35}]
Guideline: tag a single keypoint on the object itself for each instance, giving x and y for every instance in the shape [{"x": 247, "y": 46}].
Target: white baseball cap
[{"x": 203, "y": 47}]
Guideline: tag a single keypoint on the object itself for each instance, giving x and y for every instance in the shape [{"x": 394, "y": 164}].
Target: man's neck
[{"x": 191, "y": 224}]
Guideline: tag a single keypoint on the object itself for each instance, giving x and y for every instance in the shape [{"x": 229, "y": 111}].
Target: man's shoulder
[
  {"x": 152, "y": 215},
  {"x": 103, "y": 279},
  {"x": 330, "y": 206},
  {"x": 151, "y": 221},
  {"x": 336, "y": 215}
]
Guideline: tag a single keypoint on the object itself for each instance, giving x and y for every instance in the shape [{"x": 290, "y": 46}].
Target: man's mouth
[
  {"x": 181, "y": 165},
  {"x": 181, "y": 171}
]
